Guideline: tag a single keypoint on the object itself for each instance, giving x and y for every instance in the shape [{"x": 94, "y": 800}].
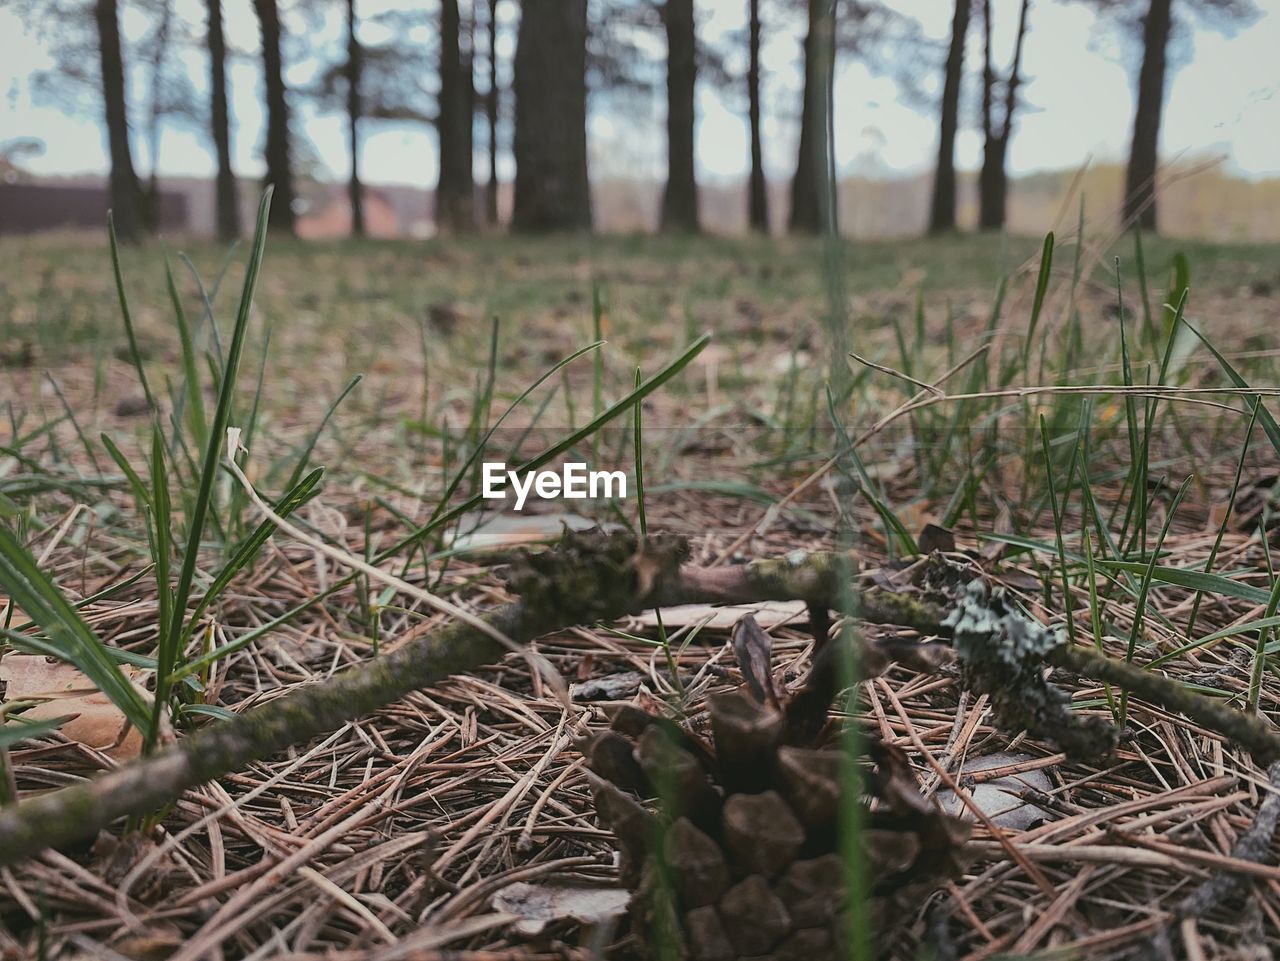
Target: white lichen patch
[{"x": 985, "y": 627}]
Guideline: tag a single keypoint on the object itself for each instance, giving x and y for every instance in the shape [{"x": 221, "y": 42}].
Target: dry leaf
[
  {"x": 506, "y": 530},
  {"x": 754, "y": 649},
  {"x": 614, "y": 687},
  {"x": 768, "y": 614},
  {"x": 60, "y": 689},
  {"x": 935, "y": 538},
  {"x": 537, "y": 906}
]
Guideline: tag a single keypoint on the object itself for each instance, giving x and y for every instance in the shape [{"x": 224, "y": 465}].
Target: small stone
[{"x": 131, "y": 406}]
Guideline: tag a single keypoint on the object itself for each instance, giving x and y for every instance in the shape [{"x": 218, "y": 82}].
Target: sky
[{"x": 1223, "y": 101}]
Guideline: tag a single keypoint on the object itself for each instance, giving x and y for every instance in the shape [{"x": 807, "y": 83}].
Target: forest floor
[{"x": 390, "y": 837}]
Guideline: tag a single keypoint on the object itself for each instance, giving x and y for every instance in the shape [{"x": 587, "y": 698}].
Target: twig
[
  {"x": 884, "y": 369},
  {"x": 588, "y": 578},
  {"x": 1249, "y": 731}
]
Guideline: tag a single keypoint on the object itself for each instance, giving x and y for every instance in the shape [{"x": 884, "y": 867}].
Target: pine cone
[{"x": 732, "y": 847}]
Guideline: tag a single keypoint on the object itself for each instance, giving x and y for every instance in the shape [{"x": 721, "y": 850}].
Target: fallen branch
[
  {"x": 588, "y": 578},
  {"x": 1254, "y": 846},
  {"x": 1250, "y": 731}
]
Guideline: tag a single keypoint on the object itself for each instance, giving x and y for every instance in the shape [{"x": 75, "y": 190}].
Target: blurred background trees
[
  {"x": 552, "y": 191},
  {"x": 942, "y": 206},
  {"x": 227, "y": 203},
  {"x": 504, "y": 86},
  {"x": 278, "y": 150},
  {"x": 1153, "y": 24},
  {"x": 126, "y": 192},
  {"x": 999, "y": 104}
]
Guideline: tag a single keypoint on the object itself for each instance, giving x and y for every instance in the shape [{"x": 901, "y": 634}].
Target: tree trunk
[
  {"x": 993, "y": 185},
  {"x": 552, "y": 190},
  {"x": 468, "y": 56},
  {"x": 355, "y": 189},
  {"x": 680, "y": 198},
  {"x": 279, "y": 166},
  {"x": 455, "y": 191},
  {"x": 758, "y": 198},
  {"x": 1139, "y": 187},
  {"x": 808, "y": 187},
  {"x": 155, "y": 118},
  {"x": 942, "y": 210},
  {"x": 993, "y": 182},
  {"x": 126, "y": 192},
  {"x": 228, "y": 202},
  {"x": 491, "y": 113}
]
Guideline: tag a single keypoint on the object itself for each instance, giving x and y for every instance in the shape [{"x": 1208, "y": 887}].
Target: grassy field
[{"x": 1076, "y": 437}]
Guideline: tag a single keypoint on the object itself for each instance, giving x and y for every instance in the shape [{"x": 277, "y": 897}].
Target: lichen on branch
[{"x": 1002, "y": 654}]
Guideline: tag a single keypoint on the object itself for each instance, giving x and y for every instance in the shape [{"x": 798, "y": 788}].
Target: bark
[
  {"x": 809, "y": 188},
  {"x": 942, "y": 209},
  {"x": 126, "y": 193},
  {"x": 491, "y": 115},
  {"x": 552, "y": 190},
  {"x": 680, "y": 198},
  {"x": 758, "y": 198},
  {"x": 1139, "y": 187},
  {"x": 228, "y": 202},
  {"x": 279, "y": 164},
  {"x": 993, "y": 182},
  {"x": 455, "y": 191},
  {"x": 355, "y": 189}
]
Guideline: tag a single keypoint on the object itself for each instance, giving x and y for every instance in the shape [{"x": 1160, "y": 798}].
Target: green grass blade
[
  {"x": 35, "y": 644},
  {"x": 1193, "y": 580},
  {"x": 134, "y": 351},
  {"x": 1260, "y": 648},
  {"x": 1042, "y": 287},
  {"x": 305, "y": 458},
  {"x": 191, "y": 393},
  {"x": 68, "y": 634},
  {"x": 484, "y": 441},
  {"x": 209, "y": 467},
  {"x": 17, "y": 729},
  {"x": 248, "y": 549},
  {"x": 170, "y": 616},
  {"x": 1144, "y": 588},
  {"x": 1261, "y": 625},
  {"x": 1268, "y": 422}
]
